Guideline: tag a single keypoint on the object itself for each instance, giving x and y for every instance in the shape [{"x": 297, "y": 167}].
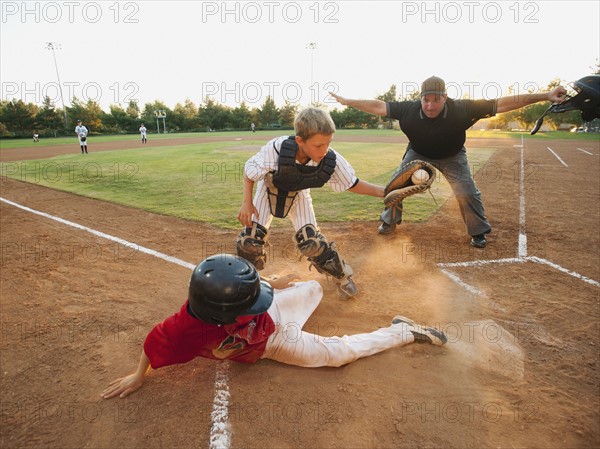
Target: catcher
[
  {"x": 436, "y": 128},
  {"x": 285, "y": 170},
  {"x": 231, "y": 314}
]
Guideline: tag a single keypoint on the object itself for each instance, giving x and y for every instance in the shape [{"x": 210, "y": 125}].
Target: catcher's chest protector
[{"x": 290, "y": 177}]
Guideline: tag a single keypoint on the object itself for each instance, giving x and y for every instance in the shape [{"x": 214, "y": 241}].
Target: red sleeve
[{"x": 169, "y": 342}]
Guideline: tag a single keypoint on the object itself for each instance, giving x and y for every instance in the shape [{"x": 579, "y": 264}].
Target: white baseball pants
[{"x": 291, "y": 309}]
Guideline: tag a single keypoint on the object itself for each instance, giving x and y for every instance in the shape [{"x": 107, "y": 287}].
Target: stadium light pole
[
  {"x": 52, "y": 46},
  {"x": 312, "y": 46}
]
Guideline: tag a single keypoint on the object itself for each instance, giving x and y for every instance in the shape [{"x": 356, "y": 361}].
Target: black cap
[{"x": 433, "y": 85}]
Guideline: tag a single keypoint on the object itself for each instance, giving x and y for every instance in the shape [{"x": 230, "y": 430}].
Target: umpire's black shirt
[{"x": 445, "y": 135}]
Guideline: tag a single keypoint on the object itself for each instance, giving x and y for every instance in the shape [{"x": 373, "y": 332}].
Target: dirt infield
[{"x": 520, "y": 369}]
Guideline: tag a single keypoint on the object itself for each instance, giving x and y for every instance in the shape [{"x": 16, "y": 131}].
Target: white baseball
[{"x": 419, "y": 177}]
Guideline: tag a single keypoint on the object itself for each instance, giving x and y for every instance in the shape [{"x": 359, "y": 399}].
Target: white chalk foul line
[
  {"x": 477, "y": 263},
  {"x": 103, "y": 235},
  {"x": 522, "y": 245},
  {"x": 219, "y": 430},
  {"x": 457, "y": 280},
  {"x": 522, "y": 236},
  {"x": 480, "y": 263},
  {"x": 586, "y": 152},
  {"x": 219, "y": 436},
  {"x": 564, "y": 270},
  {"x": 557, "y": 157}
]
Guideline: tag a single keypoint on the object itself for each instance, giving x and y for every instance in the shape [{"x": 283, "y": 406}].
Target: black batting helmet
[
  {"x": 586, "y": 98},
  {"x": 223, "y": 287}
]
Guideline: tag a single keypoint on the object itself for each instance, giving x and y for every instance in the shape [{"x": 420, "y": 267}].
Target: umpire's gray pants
[{"x": 456, "y": 171}]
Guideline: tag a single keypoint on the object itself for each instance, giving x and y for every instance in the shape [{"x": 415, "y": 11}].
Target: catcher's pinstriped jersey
[{"x": 301, "y": 212}]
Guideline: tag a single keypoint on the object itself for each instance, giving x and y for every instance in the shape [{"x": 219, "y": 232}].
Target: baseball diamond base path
[{"x": 520, "y": 369}]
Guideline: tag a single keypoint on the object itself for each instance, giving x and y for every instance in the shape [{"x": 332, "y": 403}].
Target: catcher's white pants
[{"x": 291, "y": 309}]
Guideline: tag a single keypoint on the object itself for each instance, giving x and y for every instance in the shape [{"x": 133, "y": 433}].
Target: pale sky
[{"x": 113, "y": 52}]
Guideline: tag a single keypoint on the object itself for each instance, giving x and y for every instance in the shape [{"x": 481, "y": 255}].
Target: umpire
[{"x": 436, "y": 128}]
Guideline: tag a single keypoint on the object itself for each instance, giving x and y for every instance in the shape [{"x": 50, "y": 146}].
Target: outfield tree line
[{"x": 20, "y": 119}]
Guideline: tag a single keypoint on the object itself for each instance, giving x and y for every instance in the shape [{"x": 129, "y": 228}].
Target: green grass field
[
  {"x": 26, "y": 143},
  {"x": 488, "y": 134},
  {"x": 204, "y": 181}
]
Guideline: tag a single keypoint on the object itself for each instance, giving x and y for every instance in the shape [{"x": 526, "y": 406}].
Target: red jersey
[{"x": 181, "y": 337}]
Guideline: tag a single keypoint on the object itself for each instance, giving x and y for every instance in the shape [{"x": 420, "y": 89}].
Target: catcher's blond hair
[{"x": 311, "y": 121}]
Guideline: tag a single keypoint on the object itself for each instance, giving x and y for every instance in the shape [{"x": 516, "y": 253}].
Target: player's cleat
[
  {"x": 478, "y": 241},
  {"x": 347, "y": 288},
  {"x": 385, "y": 229},
  {"x": 422, "y": 334}
]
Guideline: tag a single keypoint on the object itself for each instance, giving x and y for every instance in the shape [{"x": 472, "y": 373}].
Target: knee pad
[
  {"x": 330, "y": 262},
  {"x": 322, "y": 254},
  {"x": 251, "y": 245},
  {"x": 310, "y": 241}
]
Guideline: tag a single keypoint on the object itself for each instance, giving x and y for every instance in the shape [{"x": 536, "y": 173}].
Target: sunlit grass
[
  {"x": 203, "y": 182},
  {"x": 266, "y": 134}
]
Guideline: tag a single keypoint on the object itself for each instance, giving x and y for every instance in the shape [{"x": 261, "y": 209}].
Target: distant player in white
[
  {"x": 143, "y": 132},
  {"x": 82, "y": 133},
  {"x": 286, "y": 168}
]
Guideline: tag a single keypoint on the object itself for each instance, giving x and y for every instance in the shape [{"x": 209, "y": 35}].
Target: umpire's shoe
[
  {"x": 385, "y": 229},
  {"x": 422, "y": 334},
  {"x": 479, "y": 241}
]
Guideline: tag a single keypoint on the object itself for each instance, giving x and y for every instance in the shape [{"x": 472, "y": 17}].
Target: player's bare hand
[
  {"x": 557, "y": 95},
  {"x": 123, "y": 386},
  {"x": 245, "y": 214},
  {"x": 341, "y": 100},
  {"x": 281, "y": 282}
]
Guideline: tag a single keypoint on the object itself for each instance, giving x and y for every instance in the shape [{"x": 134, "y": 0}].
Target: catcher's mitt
[{"x": 401, "y": 185}]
